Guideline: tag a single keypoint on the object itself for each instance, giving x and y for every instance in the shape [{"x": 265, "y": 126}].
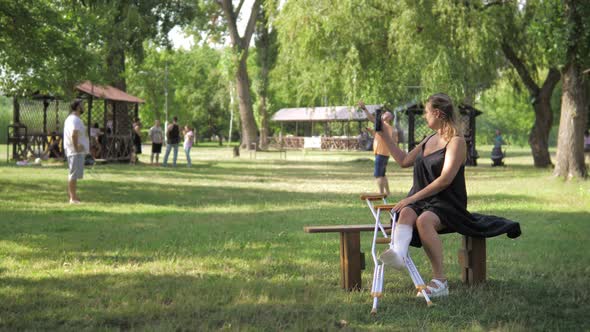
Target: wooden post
[
  {"x": 350, "y": 260},
  {"x": 472, "y": 259},
  {"x": 15, "y": 120},
  {"x": 45, "y": 106}
]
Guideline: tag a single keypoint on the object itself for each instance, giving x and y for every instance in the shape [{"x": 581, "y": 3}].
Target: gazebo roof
[
  {"x": 322, "y": 114},
  {"x": 107, "y": 92}
]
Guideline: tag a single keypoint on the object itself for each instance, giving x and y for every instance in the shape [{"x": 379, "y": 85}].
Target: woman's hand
[{"x": 403, "y": 203}]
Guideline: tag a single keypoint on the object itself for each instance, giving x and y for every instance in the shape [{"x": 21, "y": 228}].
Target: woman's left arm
[{"x": 454, "y": 158}]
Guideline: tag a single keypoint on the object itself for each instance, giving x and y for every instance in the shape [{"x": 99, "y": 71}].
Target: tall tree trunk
[
  {"x": 116, "y": 68},
  {"x": 570, "y": 141},
  {"x": 539, "y": 136},
  {"x": 241, "y": 45},
  {"x": 249, "y": 130}
]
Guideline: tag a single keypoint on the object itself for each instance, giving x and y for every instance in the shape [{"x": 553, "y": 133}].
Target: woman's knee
[
  {"x": 427, "y": 221},
  {"x": 407, "y": 216}
]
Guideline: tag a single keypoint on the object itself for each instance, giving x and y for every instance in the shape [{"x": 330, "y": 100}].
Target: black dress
[{"x": 450, "y": 204}]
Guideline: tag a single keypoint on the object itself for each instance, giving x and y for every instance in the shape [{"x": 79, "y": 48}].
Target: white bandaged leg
[{"x": 401, "y": 241}]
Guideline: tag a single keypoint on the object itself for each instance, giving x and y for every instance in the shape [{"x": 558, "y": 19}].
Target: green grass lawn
[{"x": 221, "y": 246}]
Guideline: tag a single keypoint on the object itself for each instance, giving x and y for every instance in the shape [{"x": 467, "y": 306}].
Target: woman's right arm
[{"x": 403, "y": 159}]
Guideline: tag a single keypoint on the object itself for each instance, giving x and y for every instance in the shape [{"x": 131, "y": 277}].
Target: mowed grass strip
[{"x": 221, "y": 246}]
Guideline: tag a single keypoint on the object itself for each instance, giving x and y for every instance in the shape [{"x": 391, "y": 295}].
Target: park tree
[
  {"x": 529, "y": 43},
  {"x": 386, "y": 51},
  {"x": 575, "y": 98},
  {"x": 46, "y": 46},
  {"x": 224, "y": 18},
  {"x": 124, "y": 26},
  {"x": 266, "y": 55},
  {"x": 195, "y": 82},
  {"x": 333, "y": 53}
]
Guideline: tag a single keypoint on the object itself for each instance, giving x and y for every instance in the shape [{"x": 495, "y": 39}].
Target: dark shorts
[
  {"x": 380, "y": 165},
  {"x": 421, "y": 206},
  {"x": 156, "y": 148}
]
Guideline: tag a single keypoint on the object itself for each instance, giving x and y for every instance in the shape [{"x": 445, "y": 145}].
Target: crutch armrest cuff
[{"x": 373, "y": 197}]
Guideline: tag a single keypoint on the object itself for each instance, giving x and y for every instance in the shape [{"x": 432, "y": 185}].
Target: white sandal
[{"x": 442, "y": 289}]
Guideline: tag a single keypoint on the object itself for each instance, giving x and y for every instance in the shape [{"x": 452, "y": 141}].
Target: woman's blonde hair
[{"x": 443, "y": 103}]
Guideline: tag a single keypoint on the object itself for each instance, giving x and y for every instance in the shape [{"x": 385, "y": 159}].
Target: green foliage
[
  {"x": 5, "y": 117},
  {"x": 197, "y": 88},
  {"x": 45, "y": 45},
  {"x": 382, "y": 50},
  {"x": 506, "y": 109}
]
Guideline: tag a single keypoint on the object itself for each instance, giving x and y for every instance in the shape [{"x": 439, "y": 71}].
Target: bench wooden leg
[
  {"x": 472, "y": 259},
  {"x": 350, "y": 260}
]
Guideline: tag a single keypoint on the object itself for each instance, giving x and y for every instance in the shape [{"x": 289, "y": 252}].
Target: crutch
[
  {"x": 409, "y": 263},
  {"x": 377, "y": 284}
]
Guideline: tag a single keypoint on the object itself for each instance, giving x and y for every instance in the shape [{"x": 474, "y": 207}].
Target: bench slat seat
[{"x": 341, "y": 228}]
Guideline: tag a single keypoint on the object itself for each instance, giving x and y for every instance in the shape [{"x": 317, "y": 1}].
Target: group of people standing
[
  {"x": 173, "y": 135},
  {"x": 77, "y": 144}
]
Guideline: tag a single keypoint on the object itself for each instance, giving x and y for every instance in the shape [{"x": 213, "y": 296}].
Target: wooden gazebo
[
  {"x": 38, "y": 120},
  {"x": 412, "y": 126},
  {"x": 306, "y": 117},
  {"x": 114, "y": 118}
]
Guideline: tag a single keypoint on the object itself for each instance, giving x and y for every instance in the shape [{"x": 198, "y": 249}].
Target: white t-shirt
[
  {"x": 156, "y": 135},
  {"x": 72, "y": 123}
]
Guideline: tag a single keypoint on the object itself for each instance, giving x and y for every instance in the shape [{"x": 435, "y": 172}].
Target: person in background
[
  {"x": 189, "y": 138},
  {"x": 95, "y": 144},
  {"x": 157, "y": 138},
  {"x": 380, "y": 149},
  {"x": 76, "y": 145},
  {"x": 137, "y": 138},
  {"x": 173, "y": 138}
]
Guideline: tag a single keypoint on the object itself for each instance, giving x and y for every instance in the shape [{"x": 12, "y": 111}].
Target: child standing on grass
[{"x": 188, "y": 144}]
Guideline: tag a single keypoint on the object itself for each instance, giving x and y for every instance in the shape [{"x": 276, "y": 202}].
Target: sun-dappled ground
[{"x": 221, "y": 246}]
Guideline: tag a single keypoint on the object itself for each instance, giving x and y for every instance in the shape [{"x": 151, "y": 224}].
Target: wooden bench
[{"x": 472, "y": 255}]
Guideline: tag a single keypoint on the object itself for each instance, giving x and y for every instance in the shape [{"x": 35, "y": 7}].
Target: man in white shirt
[
  {"x": 157, "y": 137},
  {"x": 76, "y": 146}
]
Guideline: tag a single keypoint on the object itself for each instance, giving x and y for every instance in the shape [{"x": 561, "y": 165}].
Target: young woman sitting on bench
[{"x": 437, "y": 202}]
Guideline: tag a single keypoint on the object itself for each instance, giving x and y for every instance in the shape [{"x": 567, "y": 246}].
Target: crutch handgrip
[{"x": 385, "y": 207}]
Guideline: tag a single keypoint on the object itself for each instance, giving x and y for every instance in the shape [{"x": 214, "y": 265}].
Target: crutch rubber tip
[{"x": 429, "y": 303}]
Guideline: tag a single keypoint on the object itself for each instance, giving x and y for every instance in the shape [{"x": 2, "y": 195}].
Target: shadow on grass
[{"x": 140, "y": 300}]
